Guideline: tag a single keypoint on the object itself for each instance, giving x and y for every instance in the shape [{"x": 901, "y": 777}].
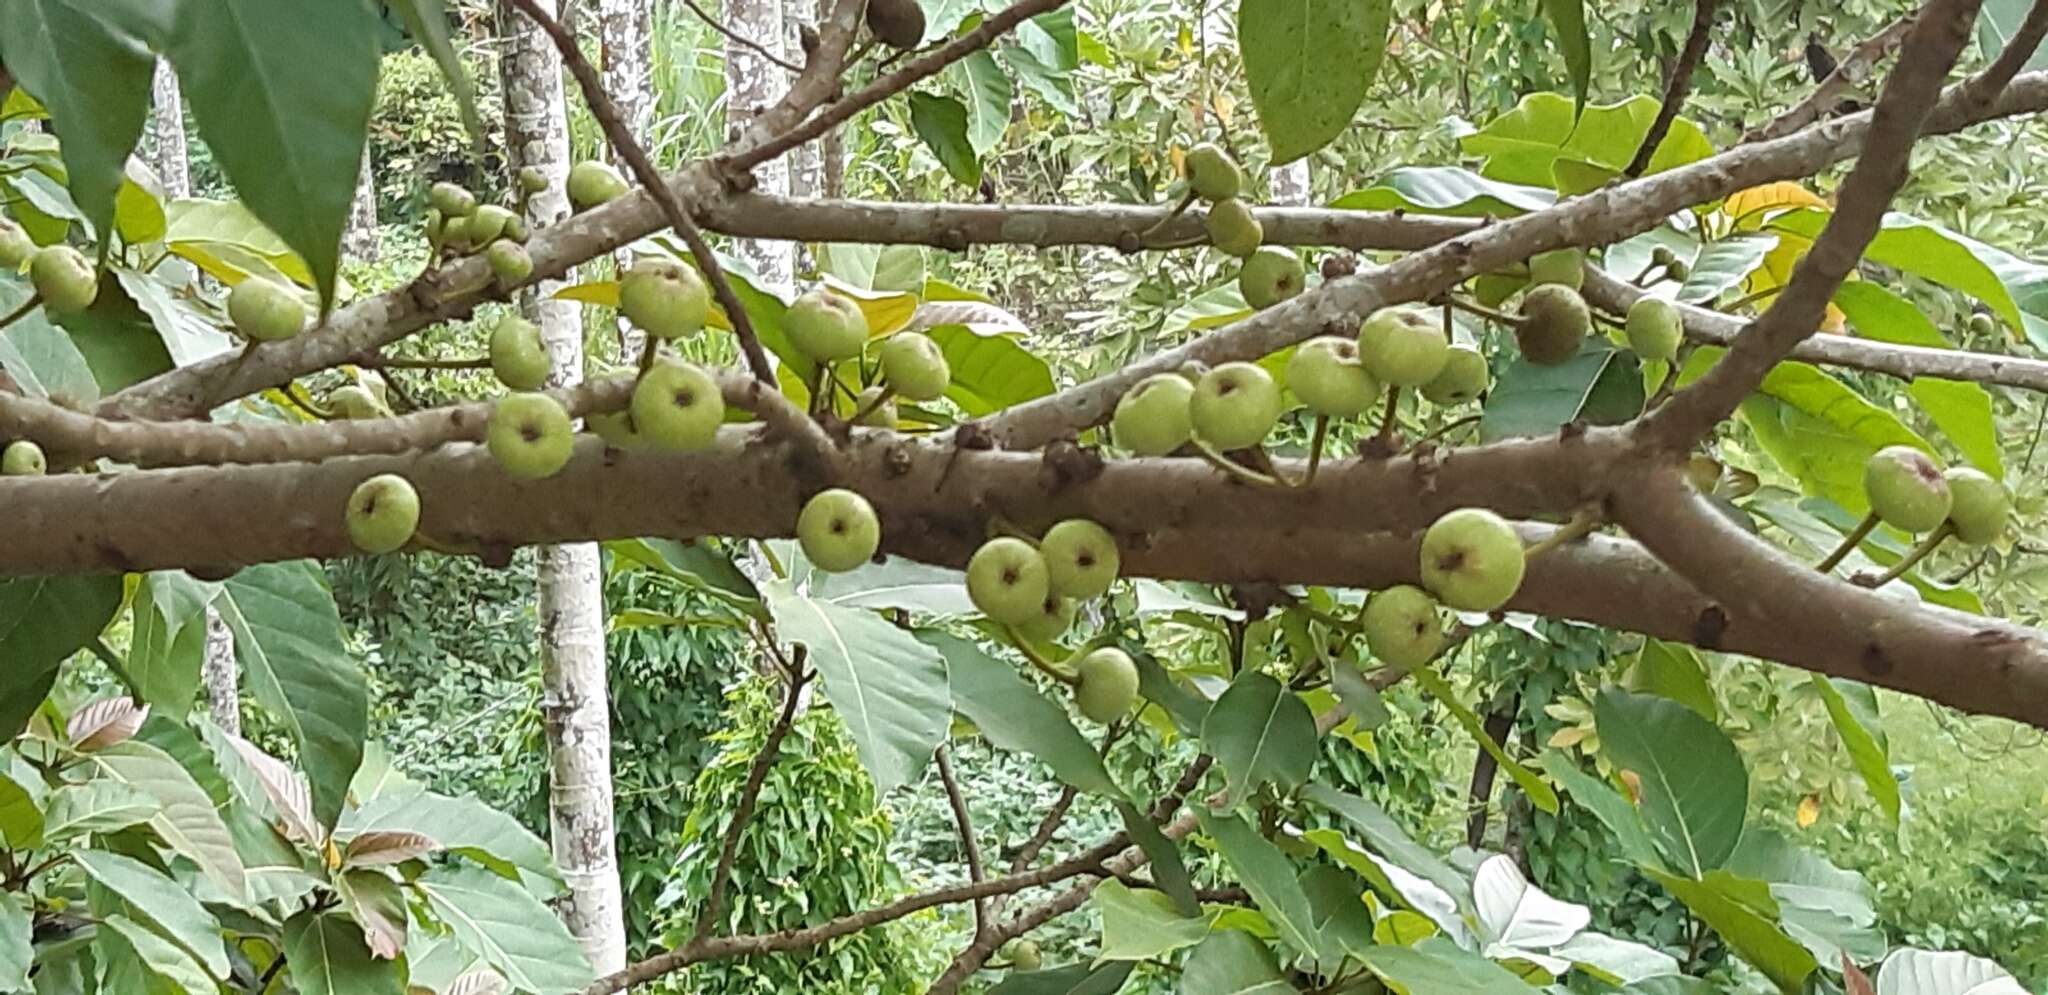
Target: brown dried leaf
[
  {"x": 104, "y": 723},
  {"x": 287, "y": 791},
  {"x": 379, "y": 848}
]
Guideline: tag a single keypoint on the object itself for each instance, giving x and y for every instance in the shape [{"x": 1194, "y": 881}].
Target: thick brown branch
[
  {"x": 969, "y": 848},
  {"x": 1847, "y": 76},
  {"x": 620, "y": 134},
  {"x": 743, "y": 810},
  {"x": 1677, "y": 85},
  {"x": 1909, "y": 96}
]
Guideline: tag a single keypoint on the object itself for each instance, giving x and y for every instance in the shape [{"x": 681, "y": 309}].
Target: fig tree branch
[
  {"x": 1938, "y": 35},
  {"x": 1848, "y": 74},
  {"x": 743, "y": 810},
  {"x": 733, "y": 36},
  {"x": 1677, "y": 85},
  {"x": 621, "y": 137},
  {"x": 969, "y": 849}
]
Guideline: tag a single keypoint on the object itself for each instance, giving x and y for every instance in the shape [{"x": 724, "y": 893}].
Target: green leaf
[
  {"x": 1695, "y": 790},
  {"x": 1724, "y": 263},
  {"x": 1336, "y": 901},
  {"x": 2015, "y": 289},
  {"x": 1448, "y": 190},
  {"x": 43, "y": 620},
  {"x": 159, "y": 955},
  {"x": 1525, "y": 145},
  {"x": 21, "y": 818},
  {"x": 1186, "y": 708},
  {"x": 1853, "y": 707},
  {"x": 889, "y": 688},
  {"x": 1675, "y": 671},
  {"x": 1230, "y": 962},
  {"x": 1745, "y": 915},
  {"x": 1821, "y": 431},
  {"x": 1827, "y": 909},
  {"x": 1368, "y": 709},
  {"x": 378, "y": 908},
  {"x": 1922, "y": 972},
  {"x": 169, "y": 641},
  {"x": 1389, "y": 840},
  {"x": 1169, "y": 871},
  {"x": 186, "y": 817},
  {"x": 1269, "y": 876},
  {"x": 1073, "y": 979},
  {"x": 139, "y": 205},
  {"x": 223, "y": 238},
  {"x": 327, "y": 957},
  {"x": 282, "y": 95},
  {"x": 990, "y": 372},
  {"x": 16, "y": 955},
  {"x": 511, "y": 931},
  {"x": 1308, "y": 64},
  {"x": 1436, "y": 965},
  {"x": 463, "y": 825},
  {"x": 138, "y": 891},
  {"x": 1014, "y": 715},
  {"x": 187, "y": 336},
  {"x": 97, "y": 806},
  {"x": 1532, "y": 400},
  {"x": 38, "y": 355},
  {"x": 697, "y": 564},
  {"x": 1961, "y": 410},
  {"x": 941, "y": 123},
  {"x": 427, "y": 22},
  {"x": 1614, "y": 811},
  {"x": 288, "y": 636},
  {"x": 93, "y": 77},
  {"x": 119, "y": 342},
  {"x": 1140, "y": 924},
  {"x": 1568, "y": 29},
  {"x": 988, "y": 101},
  {"x": 897, "y": 583},
  {"x": 1818, "y": 525},
  {"x": 1540, "y": 794},
  {"x": 1261, "y": 734}
]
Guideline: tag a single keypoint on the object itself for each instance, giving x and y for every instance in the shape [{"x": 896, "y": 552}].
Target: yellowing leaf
[
  {"x": 1809, "y": 811},
  {"x": 1633, "y": 782},
  {"x": 1776, "y": 270},
  {"x": 1747, "y": 207},
  {"x": 1570, "y": 736},
  {"x": 604, "y": 292}
]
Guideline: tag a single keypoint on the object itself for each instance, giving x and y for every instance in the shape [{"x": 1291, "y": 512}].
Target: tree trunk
[
  {"x": 752, "y": 83},
  {"x": 168, "y": 125},
  {"x": 359, "y": 239},
  {"x": 622, "y": 30},
  {"x": 575, "y": 700},
  {"x": 221, "y": 674}
]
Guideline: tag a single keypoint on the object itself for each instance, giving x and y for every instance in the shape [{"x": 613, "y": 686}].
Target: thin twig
[
  {"x": 34, "y": 301},
  {"x": 1848, "y": 73},
  {"x": 968, "y": 847},
  {"x": 393, "y": 363},
  {"x": 1912, "y": 557},
  {"x": 628, "y": 148},
  {"x": 730, "y": 34},
  {"x": 1849, "y": 542},
  {"x": 1047, "y": 826},
  {"x": 1676, "y": 87},
  {"x": 750, "y": 793}
]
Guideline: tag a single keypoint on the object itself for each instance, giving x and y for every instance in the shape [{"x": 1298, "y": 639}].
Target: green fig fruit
[
  {"x": 1269, "y": 276},
  {"x": 451, "y": 199},
  {"x": 664, "y": 298},
  {"x": 914, "y": 366},
  {"x": 1464, "y": 377},
  {"x": 1212, "y": 174},
  {"x": 487, "y": 225},
  {"x": 1107, "y": 685},
  {"x": 532, "y": 180},
  {"x": 1981, "y": 325},
  {"x": 1403, "y": 346},
  {"x": 265, "y": 310},
  {"x": 383, "y": 513},
  {"x": 826, "y": 326},
  {"x": 23, "y": 458},
  {"x": 1906, "y": 490},
  {"x": 1472, "y": 560},
  {"x": 1555, "y": 322},
  {"x": 1655, "y": 328},
  {"x": 15, "y": 246},
  {"x": 1152, "y": 418},
  {"x": 1234, "y": 406},
  {"x": 1678, "y": 270},
  {"x": 592, "y": 183},
  {"x": 677, "y": 406},
  {"x": 879, "y": 412},
  {"x": 1329, "y": 378},
  {"x": 64, "y": 279},
  {"x": 530, "y": 436},
  {"x": 838, "y": 530},
  {"x": 510, "y": 262},
  {"x": 1008, "y": 581},
  {"x": 1024, "y": 955},
  {"x": 1081, "y": 559},
  {"x": 518, "y": 356},
  {"x": 898, "y": 24},
  {"x": 1052, "y": 621},
  {"x": 1490, "y": 289},
  {"x": 1980, "y": 507},
  {"x": 1663, "y": 256},
  {"x": 1402, "y": 627},
  {"x": 1563, "y": 267},
  {"x": 1232, "y": 228}
]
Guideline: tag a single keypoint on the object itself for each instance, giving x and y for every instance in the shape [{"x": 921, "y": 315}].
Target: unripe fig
[
  {"x": 15, "y": 246},
  {"x": 1663, "y": 256},
  {"x": 1704, "y": 471},
  {"x": 1472, "y": 560},
  {"x": 1212, "y": 174},
  {"x": 896, "y": 23},
  {"x": 1401, "y": 626},
  {"x": 1490, "y": 289},
  {"x": 532, "y": 180},
  {"x": 1269, "y": 276},
  {"x": 1555, "y": 321},
  {"x": 1108, "y": 685},
  {"x": 1564, "y": 267},
  {"x": 826, "y": 326},
  {"x": 1906, "y": 490},
  {"x": 1024, "y": 955},
  {"x": 1232, "y": 228},
  {"x": 1403, "y": 346},
  {"x": 1980, "y": 505},
  {"x": 1464, "y": 377},
  {"x": 518, "y": 356},
  {"x": 1053, "y": 620},
  {"x": 665, "y": 298},
  {"x": 510, "y": 262},
  {"x": 265, "y": 310},
  {"x": 1981, "y": 325},
  {"x": 915, "y": 367},
  {"x": 1655, "y": 329},
  {"x": 879, "y": 412},
  {"x": 677, "y": 406},
  {"x": 451, "y": 200},
  {"x": 383, "y": 512},
  {"x": 1152, "y": 418},
  {"x": 1328, "y": 377},
  {"x": 1234, "y": 406},
  {"x": 592, "y": 183},
  {"x": 838, "y": 530},
  {"x": 1081, "y": 559},
  {"x": 516, "y": 230},
  {"x": 487, "y": 225},
  {"x": 616, "y": 428},
  {"x": 356, "y": 403},
  {"x": 1007, "y": 581},
  {"x": 23, "y": 458},
  {"x": 64, "y": 278},
  {"x": 1678, "y": 270},
  {"x": 530, "y": 435}
]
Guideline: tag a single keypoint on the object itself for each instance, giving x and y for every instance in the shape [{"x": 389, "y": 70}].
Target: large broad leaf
[
  {"x": 97, "y": 806},
  {"x": 1827, "y": 909},
  {"x": 2016, "y": 290},
  {"x": 1601, "y": 385},
  {"x": 427, "y": 22},
  {"x": 1262, "y": 734},
  {"x": 1388, "y": 839},
  {"x": 1568, "y": 27},
  {"x": 1853, "y": 707},
  {"x": 39, "y": 357},
  {"x": 328, "y": 957},
  {"x": 223, "y": 238},
  {"x": 282, "y": 94},
  {"x": 16, "y": 955},
  {"x": 154, "y": 953},
  {"x": 140, "y": 892},
  {"x": 1518, "y": 919},
  {"x": 1336, "y": 902},
  {"x": 1073, "y": 979},
  {"x": 43, "y": 620},
  {"x": 1961, "y": 410},
  {"x": 1675, "y": 671},
  {"x": 169, "y": 641},
  {"x": 695, "y": 563},
  {"x": 119, "y": 342},
  {"x": 1013, "y": 715},
  {"x": 889, "y": 688},
  {"x": 1525, "y": 145},
  {"x": 990, "y": 372},
  {"x": 1539, "y": 793},
  {"x": 1141, "y": 924},
  {"x": 1924, "y": 972},
  {"x": 941, "y": 123},
  {"x": 94, "y": 77},
  {"x": 1437, "y": 965},
  {"x": 1169, "y": 871},
  {"x": 897, "y": 583},
  {"x": 1617, "y": 962},
  {"x": 1695, "y": 789},
  {"x": 464, "y": 825},
  {"x": 186, "y": 818},
  {"x": 288, "y": 636},
  {"x": 1614, "y": 811},
  {"x": 1435, "y": 906},
  {"x": 1308, "y": 64},
  {"x": 1743, "y": 912},
  {"x": 1271, "y": 879},
  {"x": 1447, "y": 190},
  {"x": 513, "y": 933},
  {"x": 21, "y": 814},
  {"x": 988, "y": 101},
  {"x": 378, "y": 908},
  {"x": 1230, "y": 962},
  {"x": 187, "y": 336}
]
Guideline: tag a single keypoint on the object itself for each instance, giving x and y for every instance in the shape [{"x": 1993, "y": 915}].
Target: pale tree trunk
[
  {"x": 575, "y": 701},
  {"x": 168, "y": 124},
  {"x": 622, "y": 29},
  {"x": 359, "y": 239},
  {"x": 222, "y": 675},
  {"x": 806, "y": 161},
  {"x": 1290, "y": 184},
  {"x": 752, "y": 83}
]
